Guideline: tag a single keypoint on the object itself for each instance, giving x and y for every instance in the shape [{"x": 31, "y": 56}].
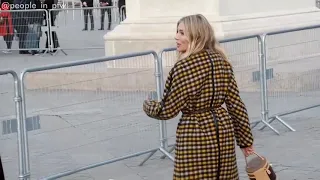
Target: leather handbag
[{"x": 258, "y": 168}]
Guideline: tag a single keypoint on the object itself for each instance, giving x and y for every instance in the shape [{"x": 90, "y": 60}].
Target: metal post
[
  {"x": 20, "y": 139},
  {"x": 50, "y": 34},
  {"x": 160, "y": 89},
  {"x": 263, "y": 82},
  {"x": 266, "y": 120},
  {"x": 25, "y": 133},
  {"x": 20, "y": 129},
  {"x": 162, "y": 124}
]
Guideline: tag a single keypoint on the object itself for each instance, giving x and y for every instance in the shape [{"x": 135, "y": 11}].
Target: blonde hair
[{"x": 200, "y": 35}]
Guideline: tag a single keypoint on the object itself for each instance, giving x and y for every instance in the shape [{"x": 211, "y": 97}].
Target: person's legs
[
  {"x": 22, "y": 41},
  {"x": 85, "y": 14},
  {"x": 109, "y": 18},
  {"x": 91, "y": 18},
  {"x": 8, "y": 39},
  {"x": 103, "y": 11}
]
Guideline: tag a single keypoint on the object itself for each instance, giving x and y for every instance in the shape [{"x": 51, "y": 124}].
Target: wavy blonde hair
[{"x": 200, "y": 35}]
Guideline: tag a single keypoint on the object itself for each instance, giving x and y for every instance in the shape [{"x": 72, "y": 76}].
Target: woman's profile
[{"x": 201, "y": 81}]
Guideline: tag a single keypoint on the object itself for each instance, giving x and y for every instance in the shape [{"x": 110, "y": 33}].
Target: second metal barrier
[{"x": 92, "y": 103}]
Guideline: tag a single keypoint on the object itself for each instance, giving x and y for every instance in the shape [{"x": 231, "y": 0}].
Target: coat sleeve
[
  {"x": 174, "y": 96},
  {"x": 238, "y": 113}
]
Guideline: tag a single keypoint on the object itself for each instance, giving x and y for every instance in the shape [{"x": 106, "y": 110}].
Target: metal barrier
[
  {"x": 89, "y": 105},
  {"x": 70, "y": 32},
  {"x": 298, "y": 84},
  {"x": 30, "y": 33},
  {"x": 24, "y": 30},
  {"x": 12, "y": 122},
  {"x": 85, "y": 91}
]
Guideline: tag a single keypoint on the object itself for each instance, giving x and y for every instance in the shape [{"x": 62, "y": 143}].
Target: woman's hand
[
  {"x": 148, "y": 98},
  {"x": 247, "y": 151}
]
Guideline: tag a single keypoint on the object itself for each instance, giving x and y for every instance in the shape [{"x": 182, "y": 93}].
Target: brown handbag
[{"x": 258, "y": 168}]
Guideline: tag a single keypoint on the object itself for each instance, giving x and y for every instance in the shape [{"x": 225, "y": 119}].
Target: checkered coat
[{"x": 198, "y": 86}]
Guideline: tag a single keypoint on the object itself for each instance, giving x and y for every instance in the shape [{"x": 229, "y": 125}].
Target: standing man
[
  {"x": 20, "y": 24},
  {"x": 105, "y": 3},
  {"x": 1, "y": 170},
  {"x": 6, "y": 27},
  {"x": 87, "y": 12},
  {"x": 49, "y": 5},
  {"x": 35, "y": 20}
]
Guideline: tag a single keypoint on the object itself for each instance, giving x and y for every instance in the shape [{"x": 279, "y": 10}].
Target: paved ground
[
  {"x": 76, "y": 128},
  {"x": 81, "y": 128}
]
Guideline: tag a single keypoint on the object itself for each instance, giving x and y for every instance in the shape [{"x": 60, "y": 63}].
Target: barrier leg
[
  {"x": 162, "y": 124},
  {"x": 263, "y": 82},
  {"x": 269, "y": 126},
  {"x": 58, "y": 50},
  {"x": 170, "y": 151},
  {"x": 284, "y": 123},
  {"x": 45, "y": 52},
  {"x": 148, "y": 157},
  {"x": 163, "y": 145},
  {"x": 281, "y": 121},
  {"x": 255, "y": 124}
]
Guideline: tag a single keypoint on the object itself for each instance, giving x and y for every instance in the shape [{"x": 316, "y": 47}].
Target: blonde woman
[{"x": 200, "y": 82}]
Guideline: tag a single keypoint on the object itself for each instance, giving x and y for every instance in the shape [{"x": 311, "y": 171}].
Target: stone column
[{"x": 151, "y": 24}]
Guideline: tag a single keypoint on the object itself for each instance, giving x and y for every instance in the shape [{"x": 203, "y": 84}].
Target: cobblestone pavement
[{"x": 73, "y": 131}]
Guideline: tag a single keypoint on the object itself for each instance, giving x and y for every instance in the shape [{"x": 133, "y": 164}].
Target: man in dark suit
[
  {"x": 1, "y": 170},
  {"x": 105, "y": 3},
  {"x": 49, "y": 4},
  {"x": 87, "y": 12},
  {"x": 20, "y": 24}
]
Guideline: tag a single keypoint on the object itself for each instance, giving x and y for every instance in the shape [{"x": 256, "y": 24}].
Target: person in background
[
  {"x": 1, "y": 170},
  {"x": 49, "y": 5},
  {"x": 105, "y": 3},
  {"x": 35, "y": 19},
  {"x": 6, "y": 27},
  {"x": 20, "y": 24},
  {"x": 88, "y": 12}
]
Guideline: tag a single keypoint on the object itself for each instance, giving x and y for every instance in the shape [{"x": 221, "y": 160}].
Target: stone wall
[{"x": 292, "y": 56}]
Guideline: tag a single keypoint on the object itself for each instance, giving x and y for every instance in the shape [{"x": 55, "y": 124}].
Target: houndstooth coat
[{"x": 198, "y": 86}]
